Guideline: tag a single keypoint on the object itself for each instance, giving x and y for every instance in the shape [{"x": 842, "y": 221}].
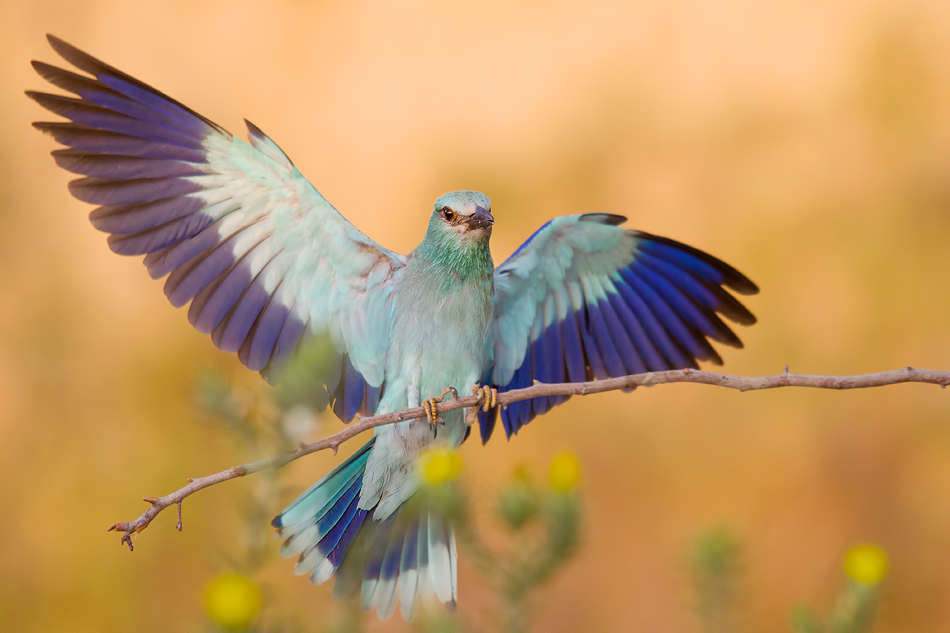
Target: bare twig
[{"x": 741, "y": 383}]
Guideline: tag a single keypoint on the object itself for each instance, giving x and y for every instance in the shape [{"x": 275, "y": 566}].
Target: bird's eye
[{"x": 448, "y": 213}]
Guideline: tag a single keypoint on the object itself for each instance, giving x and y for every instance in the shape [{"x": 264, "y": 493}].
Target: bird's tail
[
  {"x": 322, "y": 523},
  {"x": 399, "y": 560}
]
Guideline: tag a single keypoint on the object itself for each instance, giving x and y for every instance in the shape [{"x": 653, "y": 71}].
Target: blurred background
[{"x": 806, "y": 143}]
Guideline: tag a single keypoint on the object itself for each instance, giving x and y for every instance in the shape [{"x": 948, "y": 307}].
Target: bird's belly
[
  {"x": 437, "y": 342},
  {"x": 443, "y": 346},
  {"x": 390, "y": 476}
]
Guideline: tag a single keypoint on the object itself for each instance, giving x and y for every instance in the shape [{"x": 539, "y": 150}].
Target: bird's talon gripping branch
[
  {"x": 488, "y": 397},
  {"x": 429, "y": 405},
  {"x": 431, "y": 415},
  {"x": 471, "y": 416}
]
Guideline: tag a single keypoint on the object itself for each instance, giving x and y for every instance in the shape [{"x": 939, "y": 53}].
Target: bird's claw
[
  {"x": 431, "y": 415},
  {"x": 429, "y": 405},
  {"x": 488, "y": 396},
  {"x": 471, "y": 416}
]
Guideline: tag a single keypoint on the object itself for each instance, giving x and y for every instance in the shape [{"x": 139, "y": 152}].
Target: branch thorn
[
  {"x": 151, "y": 500},
  {"x": 179, "y": 526}
]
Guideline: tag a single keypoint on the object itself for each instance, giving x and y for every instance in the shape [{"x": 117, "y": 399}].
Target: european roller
[{"x": 266, "y": 263}]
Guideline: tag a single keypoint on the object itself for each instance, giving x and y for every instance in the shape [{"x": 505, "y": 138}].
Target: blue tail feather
[{"x": 317, "y": 496}]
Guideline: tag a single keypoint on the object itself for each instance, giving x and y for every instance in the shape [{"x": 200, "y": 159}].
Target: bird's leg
[
  {"x": 489, "y": 399},
  {"x": 429, "y": 405}
]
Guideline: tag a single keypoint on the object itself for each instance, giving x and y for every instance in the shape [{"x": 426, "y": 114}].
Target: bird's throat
[{"x": 464, "y": 258}]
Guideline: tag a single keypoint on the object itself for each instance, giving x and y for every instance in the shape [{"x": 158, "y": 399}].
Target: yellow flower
[
  {"x": 866, "y": 564},
  {"x": 565, "y": 472},
  {"x": 232, "y": 601},
  {"x": 438, "y": 466}
]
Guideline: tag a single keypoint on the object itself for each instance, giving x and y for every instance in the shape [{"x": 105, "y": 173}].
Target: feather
[
  {"x": 131, "y": 87},
  {"x": 163, "y": 235},
  {"x": 111, "y": 192},
  {"x": 440, "y": 562},
  {"x": 186, "y": 281},
  {"x": 123, "y": 167},
  {"x": 346, "y": 539},
  {"x": 696, "y": 262},
  {"x": 268, "y": 147},
  {"x": 259, "y": 344},
  {"x": 699, "y": 317},
  {"x": 188, "y": 245},
  {"x": 130, "y": 219},
  {"x": 679, "y": 328},
  {"x": 629, "y": 357},
  {"x": 96, "y": 116},
  {"x": 88, "y": 139},
  {"x": 651, "y": 357},
  {"x": 385, "y": 598},
  {"x": 237, "y": 325},
  {"x": 654, "y": 332},
  {"x": 310, "y": 503}
]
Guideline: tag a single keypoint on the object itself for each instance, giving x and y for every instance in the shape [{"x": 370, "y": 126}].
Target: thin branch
[{"x": 741, "y": 383}]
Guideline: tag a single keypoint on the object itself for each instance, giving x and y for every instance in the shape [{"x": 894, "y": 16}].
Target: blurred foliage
[
  {"x": 865, "y": 566},
  {"x": 715, "y": 568},
  {"x": 542, "y": 521},
  {"x": 853, "y": 612}
]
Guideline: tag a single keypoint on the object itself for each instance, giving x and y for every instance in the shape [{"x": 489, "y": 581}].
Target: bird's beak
[{"x": 480, "y": 219}]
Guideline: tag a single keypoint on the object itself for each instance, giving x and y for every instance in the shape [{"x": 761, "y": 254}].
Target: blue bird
[{"x": 267, "y": 263}]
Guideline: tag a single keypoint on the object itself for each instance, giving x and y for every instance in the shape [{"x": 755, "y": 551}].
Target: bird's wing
[
  {"x": 584, "y": 298},
  {"x": 260, "y": 254}
]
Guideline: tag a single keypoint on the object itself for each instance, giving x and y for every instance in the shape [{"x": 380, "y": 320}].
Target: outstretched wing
[
  {"x": 584, "y": 298},
  {"x": 260, "y": 254}
]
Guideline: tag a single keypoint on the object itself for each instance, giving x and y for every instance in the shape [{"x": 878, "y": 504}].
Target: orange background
[{"x": 806, "y": 143}]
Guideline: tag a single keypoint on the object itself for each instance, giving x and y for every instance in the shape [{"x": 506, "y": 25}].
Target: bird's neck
[{"x": 463, "y": 259}]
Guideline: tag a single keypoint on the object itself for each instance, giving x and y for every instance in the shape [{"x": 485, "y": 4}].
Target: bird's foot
[
  {"x": 489, "y": 396},
  {"x": 429, "y": 405},
  {"x": 488, "y": 399}
]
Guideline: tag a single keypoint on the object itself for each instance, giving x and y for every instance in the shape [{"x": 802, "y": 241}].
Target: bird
[{"x": 266, "y": 264}]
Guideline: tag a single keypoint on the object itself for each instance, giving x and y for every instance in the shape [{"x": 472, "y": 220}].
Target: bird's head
[{"x": 463, "y": 215}]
